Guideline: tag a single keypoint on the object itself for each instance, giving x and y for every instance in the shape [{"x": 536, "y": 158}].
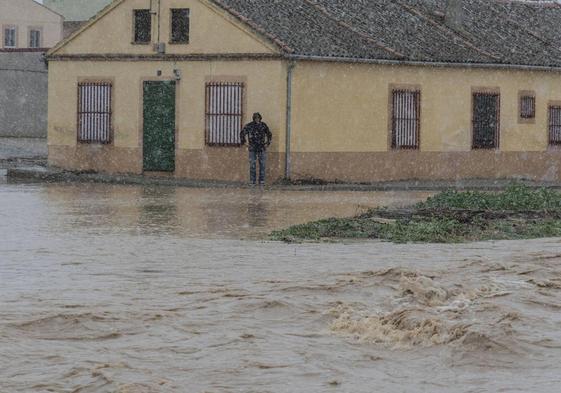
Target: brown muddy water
[{"x": 135, "y": 289}]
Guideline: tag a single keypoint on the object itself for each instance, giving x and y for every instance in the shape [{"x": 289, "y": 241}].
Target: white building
[{"x": 26, "y": 24}]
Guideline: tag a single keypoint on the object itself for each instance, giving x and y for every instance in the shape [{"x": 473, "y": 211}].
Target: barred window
[
  {"x": 555, "y": 125},
  {"x": 406, "y": 120},
  {"x": 142, "y": 26},
  {"x": 94, "y": 112},
  {"x": 179, "y": 26},
  {"x": 224, "y": 113},
  {"x": 34, "y": 38},
  {"x": 527, "y": 107},
  {"x": 486, "y": 120}
]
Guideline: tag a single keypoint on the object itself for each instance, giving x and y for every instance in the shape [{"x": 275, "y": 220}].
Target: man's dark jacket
[{"x": 258, "y": 134}]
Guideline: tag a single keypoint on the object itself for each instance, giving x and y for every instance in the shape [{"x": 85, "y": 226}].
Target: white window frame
[
  {"x": 29, "y": 37},
  {"x": 13, "y": 28}
]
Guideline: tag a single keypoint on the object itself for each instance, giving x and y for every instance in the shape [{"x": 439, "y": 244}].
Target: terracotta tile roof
[
  {"x": 492, "y": 31},
  {"x": 301, "y": 28}
]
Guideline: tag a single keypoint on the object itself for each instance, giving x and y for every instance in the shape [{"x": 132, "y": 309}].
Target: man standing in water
[{"x": 259, "y": 138}]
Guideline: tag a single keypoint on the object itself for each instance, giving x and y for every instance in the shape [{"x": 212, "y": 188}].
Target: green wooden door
[{"x": 159, "y": 126}]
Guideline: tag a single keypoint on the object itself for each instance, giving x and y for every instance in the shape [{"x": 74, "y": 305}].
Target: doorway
[{"x": 159, "y": 126}]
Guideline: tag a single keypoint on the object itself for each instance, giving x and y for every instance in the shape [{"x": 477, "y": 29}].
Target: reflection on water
[
  {"x": 214, "y": 213},
  {"x": 121, "y": 289},
  {"x": 157, "y": 210}
]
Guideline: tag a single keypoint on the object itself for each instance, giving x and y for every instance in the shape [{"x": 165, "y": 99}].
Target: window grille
[
  {"x": 34, "y": 38},
  {"x": 527, "y": 107},
  {"x": 224, "y": 113},
  {"x": 406, "y": 124},
  {"x": 179, "y": 26},
  {"x": 486, "y": 120},
  {"x": 142, "y": 26},
  {"x": 10, "y": 35},
  {"x": 555, "y": 125},
  {"x": 94, "y": 112}
]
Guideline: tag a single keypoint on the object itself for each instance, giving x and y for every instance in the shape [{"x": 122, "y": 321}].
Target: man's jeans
[{"x": 255, "y": 156}]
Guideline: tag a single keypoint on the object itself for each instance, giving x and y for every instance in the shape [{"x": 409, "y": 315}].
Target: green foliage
[
  {"x": 444, "y": 227},
  {"x": 516, "y": 197},
  {"x": 532, "y": 229},
  {"x": 424, "y": 231},
  {"x": 339, "y": 228}
]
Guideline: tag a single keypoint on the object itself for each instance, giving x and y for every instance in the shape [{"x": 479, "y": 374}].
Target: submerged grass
[{"x": 519, "y": 212}]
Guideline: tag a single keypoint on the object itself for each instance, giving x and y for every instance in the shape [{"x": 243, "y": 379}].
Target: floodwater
[{"x": 144, "y": 289}]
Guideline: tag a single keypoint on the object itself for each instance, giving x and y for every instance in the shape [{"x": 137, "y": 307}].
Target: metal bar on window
[
  {"x": 555, "y": 125},
  {"x": 224, "y": 113},
  {"x": 94, "y": 112},
  {"x": 527, "y": 107},
  {"x": 405, "y": 119},
  {"x": 486, "y": 120}
]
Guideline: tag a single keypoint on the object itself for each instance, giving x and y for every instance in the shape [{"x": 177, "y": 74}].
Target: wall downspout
[
  {"x": 288, "y": 163},
  {"x": 155, "y": 11},
  {"x": 159, "y": 18}
]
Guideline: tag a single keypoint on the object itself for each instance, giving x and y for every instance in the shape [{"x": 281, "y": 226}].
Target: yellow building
[{"x": 353, "y": 91}]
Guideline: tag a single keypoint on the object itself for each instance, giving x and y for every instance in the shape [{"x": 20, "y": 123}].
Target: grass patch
[
  {"x": 519, "y": 212},
  {"x": 516, "y": 197}
]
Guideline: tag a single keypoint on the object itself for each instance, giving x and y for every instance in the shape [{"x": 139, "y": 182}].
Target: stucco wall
[
  {"x": 341, "y": 124},
  {"x": 264, "y": 89},
  {"x": 340, "y": 120},
  {"x": 348, "y": 106},
  {"x": 26, "y": 14},
  {"x": 23, "y": 95},
  {"x": 211, "y": 31}
]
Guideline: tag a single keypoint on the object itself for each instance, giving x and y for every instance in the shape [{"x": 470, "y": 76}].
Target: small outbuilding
[{"x": 354, "y": 91}]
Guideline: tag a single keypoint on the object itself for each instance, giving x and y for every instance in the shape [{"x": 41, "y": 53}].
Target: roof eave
[{"x": 439, "y": 64}]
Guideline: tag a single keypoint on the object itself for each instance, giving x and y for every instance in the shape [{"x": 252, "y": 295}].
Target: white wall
[{"x": 26, "y": 14}]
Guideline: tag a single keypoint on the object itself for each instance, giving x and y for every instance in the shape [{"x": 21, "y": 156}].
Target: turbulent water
[{"x": 131, "y": 289}]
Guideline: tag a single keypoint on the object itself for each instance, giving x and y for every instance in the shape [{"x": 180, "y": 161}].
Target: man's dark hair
[{"x": 257, "y": 115}]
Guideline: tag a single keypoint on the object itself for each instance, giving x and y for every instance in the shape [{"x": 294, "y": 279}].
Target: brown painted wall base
[
  {"x": 224, "y": 164},
  {"x": 231, "y": 164},
  {"x": 416, "y": 165},
  {"x": 96, "y": 158}
]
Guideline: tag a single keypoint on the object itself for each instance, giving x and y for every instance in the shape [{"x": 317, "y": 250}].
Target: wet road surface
[{"x": 144, "y": 289}]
